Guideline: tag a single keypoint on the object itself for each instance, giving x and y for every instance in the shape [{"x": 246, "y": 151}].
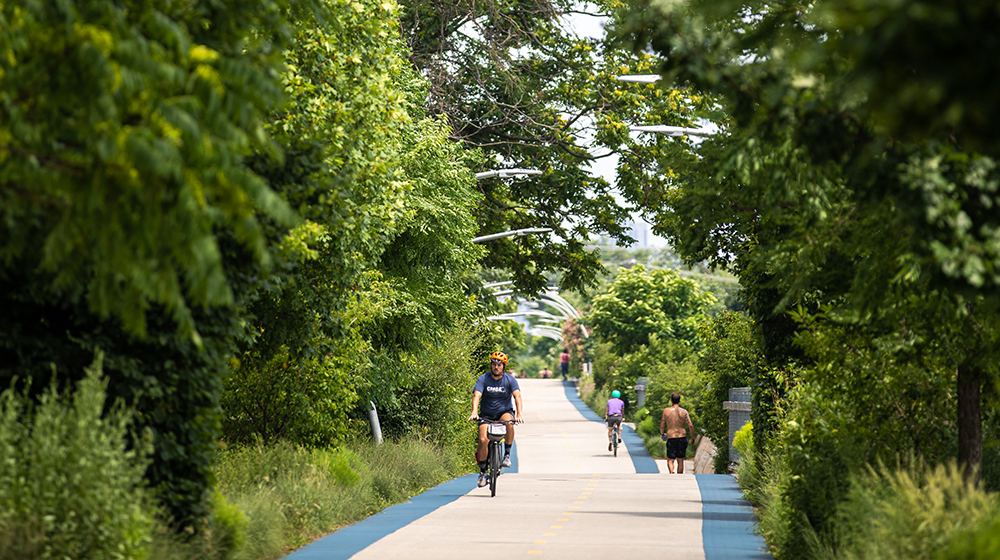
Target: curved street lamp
[
  {"x": 673, "y": 130},
  {"x": 641, "y": 78},
  {"x": 502, "y": 173},
  {"x": 511, "y": 233}
]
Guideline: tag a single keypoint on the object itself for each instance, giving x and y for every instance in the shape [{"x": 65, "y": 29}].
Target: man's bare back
[{"x": 676, "y": 420}]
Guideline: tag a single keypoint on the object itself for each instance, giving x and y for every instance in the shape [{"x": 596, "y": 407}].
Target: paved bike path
[{"x": 567, "y": 496}]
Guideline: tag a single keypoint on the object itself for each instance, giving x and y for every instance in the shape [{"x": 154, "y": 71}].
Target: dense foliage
[
  {"x": 852, "y": 183},
  {"x": 641, "y": 303},
  {"x": 515, "y": 80}
]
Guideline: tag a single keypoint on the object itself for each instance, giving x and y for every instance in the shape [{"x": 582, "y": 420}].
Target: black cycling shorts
[
  {"x": 677, "y": 447},
  {"x": 614, "y": 420}
]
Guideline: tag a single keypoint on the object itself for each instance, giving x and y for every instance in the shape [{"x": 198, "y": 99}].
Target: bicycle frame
[
  {"x": 496, "y": 432},
  {"x": 616, "y": 434}
]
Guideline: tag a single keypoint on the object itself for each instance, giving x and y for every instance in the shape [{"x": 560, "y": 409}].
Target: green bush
[
  {"x": 70, "y": 487},
  {"x": 747, "y": 472}
]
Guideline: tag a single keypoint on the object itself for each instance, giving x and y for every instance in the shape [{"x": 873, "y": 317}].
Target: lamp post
[
  {"x": 511, "y": 233},
  {"x": 502, "y": 173},
  {"x": 640, "y": 78},
  {"x": 673, "y": 130}
]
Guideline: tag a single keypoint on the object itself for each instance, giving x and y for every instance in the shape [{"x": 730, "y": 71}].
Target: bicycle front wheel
[{"x": 495, "y": 454}]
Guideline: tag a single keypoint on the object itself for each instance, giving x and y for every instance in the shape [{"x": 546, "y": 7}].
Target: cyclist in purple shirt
[
  {"x": 613, "y": 415},
  {"x": 491, "y": 400}
]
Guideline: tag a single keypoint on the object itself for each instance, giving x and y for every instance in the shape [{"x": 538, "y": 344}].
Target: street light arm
[
  {"x": 641, "y": 78},
  {"x": 516, "y": 232},
  {"x": 673, "y": 130},
  {"x": 502, "y": 173}
]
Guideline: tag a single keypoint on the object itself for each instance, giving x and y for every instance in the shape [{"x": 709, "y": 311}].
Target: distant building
[{"x": 639, "y": 231}]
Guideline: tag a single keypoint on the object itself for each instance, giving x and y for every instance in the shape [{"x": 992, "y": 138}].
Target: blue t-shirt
[{"x": 497, "y": 394}]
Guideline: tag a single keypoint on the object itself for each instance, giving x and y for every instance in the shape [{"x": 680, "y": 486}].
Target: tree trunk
[{"x": 970, "y": 425}]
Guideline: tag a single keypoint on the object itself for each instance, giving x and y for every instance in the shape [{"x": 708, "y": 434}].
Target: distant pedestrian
[
  {"x": 545, "y": 373},
  {"x": 564, "y": 364},
  {"x": 676, "y": 419}
]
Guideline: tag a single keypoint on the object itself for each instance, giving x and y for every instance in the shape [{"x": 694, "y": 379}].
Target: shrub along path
[{"x": 568, "y": 499}]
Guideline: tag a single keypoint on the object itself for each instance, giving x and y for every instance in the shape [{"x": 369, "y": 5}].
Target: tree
[
  {"x": 817, "y": 156},
  {"x": 123, "y": 136},
  {"x": 640, "y": 304},
  {"x": 132, "y": 223},
  {"x": 837, "y": 185},
  {"x": 514, "y": 82},
  {"x": 378, "y": 272}
]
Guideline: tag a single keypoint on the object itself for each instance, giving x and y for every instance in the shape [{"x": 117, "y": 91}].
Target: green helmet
[{"x": 615, "y": 394}]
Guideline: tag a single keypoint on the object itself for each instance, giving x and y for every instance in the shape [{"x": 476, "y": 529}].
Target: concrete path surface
[{"x": 566, "y": 497}]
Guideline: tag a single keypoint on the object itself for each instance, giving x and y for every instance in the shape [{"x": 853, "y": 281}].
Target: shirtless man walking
[{"x": 674, "y": 419}]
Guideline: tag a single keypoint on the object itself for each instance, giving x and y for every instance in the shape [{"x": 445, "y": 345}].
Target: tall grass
[
  {"x": 72, "y": 487},
  {"x": 914, "y": 513},
  {"x": 291, "y": 495}
]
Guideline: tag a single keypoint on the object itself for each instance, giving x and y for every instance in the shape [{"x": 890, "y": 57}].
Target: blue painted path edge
[
  {"x": 727, "y": 529},
  {"x": 354, "y": 538},
  {"x": 642, "y": 461}
]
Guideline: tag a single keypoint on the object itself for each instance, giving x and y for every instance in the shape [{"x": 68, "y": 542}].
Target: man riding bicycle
[
  {"x": 613, "y": 415},
  {"x": 491, "y": 402}
]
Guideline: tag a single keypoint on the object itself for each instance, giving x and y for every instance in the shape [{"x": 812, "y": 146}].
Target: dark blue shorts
[{"x": 484, "y": 419}]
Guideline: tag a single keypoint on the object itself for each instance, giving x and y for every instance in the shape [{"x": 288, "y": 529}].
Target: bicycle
[
  {"x": 616, "y": 435},
  {"x": 496, "y": 432}
]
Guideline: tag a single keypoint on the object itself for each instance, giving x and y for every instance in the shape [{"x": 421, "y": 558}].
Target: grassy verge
[
  {"x": 290, "y": 496},
  {"x": 70, "y": 487}
]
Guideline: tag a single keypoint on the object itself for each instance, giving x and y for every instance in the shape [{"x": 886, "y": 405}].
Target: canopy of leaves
[
  {"x": 123, "y": 128},
  {"x": 853, "y": 176},
  {"x": 515, "y": 81},
  {"x": 641, "y": 303}
]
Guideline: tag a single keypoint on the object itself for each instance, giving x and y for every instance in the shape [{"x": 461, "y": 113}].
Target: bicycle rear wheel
[
  {"x": 494, "y": 467},
  {"x": 615, "y": 434}
]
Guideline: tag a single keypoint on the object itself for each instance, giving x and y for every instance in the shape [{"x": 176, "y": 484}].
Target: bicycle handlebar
[{"x": 482, "y": 420}]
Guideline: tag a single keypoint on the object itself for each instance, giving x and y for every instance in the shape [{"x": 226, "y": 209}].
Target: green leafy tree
[
  {"x": 640, "y": 304},
  {"x": 838, "y": 184},
  {"x": 131, "y": 221},
  {"x": 123, "y": 131},
  {"x": 516, "y": 82}
]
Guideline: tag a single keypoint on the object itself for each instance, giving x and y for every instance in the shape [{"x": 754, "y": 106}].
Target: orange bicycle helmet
[{"x": 499, "y": 356}]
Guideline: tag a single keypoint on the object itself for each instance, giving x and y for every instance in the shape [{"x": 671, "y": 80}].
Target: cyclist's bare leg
[
  {"x": 509, "y": 440},
  {"x": 483, "y": 448}
]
